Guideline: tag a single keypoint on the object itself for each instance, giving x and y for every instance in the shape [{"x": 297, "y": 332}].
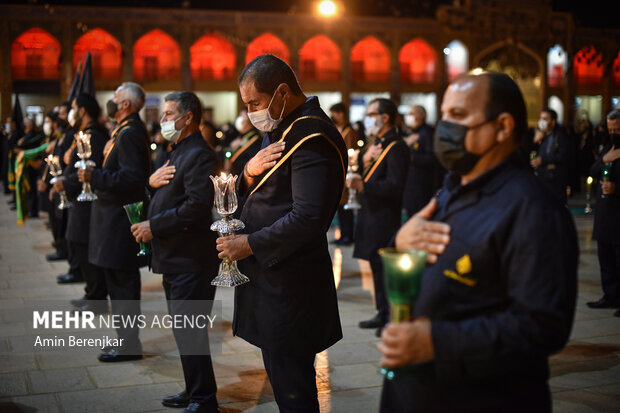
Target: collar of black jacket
[
  {"x": 132, "y": 116},
  {"x": 387, "y": 138},
  {"x": 488, "y": 182},
  {"x": 309, "y": 106},
  {"x": 193, "y": 136}
]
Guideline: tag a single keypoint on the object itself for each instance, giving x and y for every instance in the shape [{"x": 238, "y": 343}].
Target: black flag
[
  {"x": 87, "y": 84},
  {"x": 73, "y": 92},
  {"x": 18, "y": 115}
]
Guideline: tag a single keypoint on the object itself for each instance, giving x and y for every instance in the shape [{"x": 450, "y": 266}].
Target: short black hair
[
  {"x": 267, "y": 72},
  {"x": 186, "y": 102},
  {"x": 614, "y": 114},
  {"x": 386, "y": 106},
  {"x": 338, "y": 108},
  {"x": 552, "y": 113},
  {"x": 52, "y": 115},
  {"x": 505, "y": 96},
  {"x": 89, "y": 104}
]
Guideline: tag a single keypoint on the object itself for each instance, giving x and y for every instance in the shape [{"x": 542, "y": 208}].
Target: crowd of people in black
[{"x": 292, "y": 161}]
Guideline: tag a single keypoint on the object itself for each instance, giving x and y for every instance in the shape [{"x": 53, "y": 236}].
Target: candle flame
[{"x": 405, "y": 262}]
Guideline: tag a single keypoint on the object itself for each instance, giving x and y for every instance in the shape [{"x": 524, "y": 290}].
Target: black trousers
[
  {"x": 33, "y": 194},
  {"x": 74, "y": 264},
  {"x": 124, "y": 289},
  {"x": 293, "y": 380},
  {"x": 345, "y": 221},
  {"x": 197, "y": 368},
  {"x": 94, "y": 276},
  {"x": 58, "y": 223},
  {"x": 381, "y": 301},
  {"x": 609, "y": 262}
]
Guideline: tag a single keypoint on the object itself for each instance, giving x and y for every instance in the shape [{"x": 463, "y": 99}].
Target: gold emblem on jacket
[{"x": 463, "y": 266}]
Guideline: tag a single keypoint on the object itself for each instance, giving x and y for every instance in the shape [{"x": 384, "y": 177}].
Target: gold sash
[
  {"x": 112, "y": 141},
  {"x": 378, "y": 161},
  {"x": 244, "y": 148}
]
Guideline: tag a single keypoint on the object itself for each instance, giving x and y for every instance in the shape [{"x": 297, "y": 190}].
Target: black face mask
[
  {"x": 615, "y": 139},
  {"x": 449, "y": 147},
  {"x": 112, "y": 108}
]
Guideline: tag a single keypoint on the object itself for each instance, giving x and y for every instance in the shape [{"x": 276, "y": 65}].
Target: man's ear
[
  {"x": 190, "y": 119},
  {"x": 283, "y": 89},
  {"x": 506, "y": 126}
]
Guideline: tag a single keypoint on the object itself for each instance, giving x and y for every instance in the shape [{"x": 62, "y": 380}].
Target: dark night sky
[{"x": 593, "y": 13}]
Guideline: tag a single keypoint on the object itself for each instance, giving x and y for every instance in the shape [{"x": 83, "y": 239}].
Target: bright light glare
[
  {"x": 590, "y": 180},
  {"x": 327, "y": 8},
  {"x": 446, "y": 51},
  {"x": 405, "y": 262},
  {"x": 477, "y": 71},
  {"x": 153, "y": 146}
]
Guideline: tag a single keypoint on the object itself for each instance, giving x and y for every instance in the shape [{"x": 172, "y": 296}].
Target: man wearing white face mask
[
  {"x": 380, "y": 188},
  {"x": 551, "y": 163},
  {"x": 425, "y": 172},
  {"x": 289, "y": 197},
  {"x": 246, "y": 146},
  {"x": 183, "y": 246},
  {"x": 121, "y": 180}
]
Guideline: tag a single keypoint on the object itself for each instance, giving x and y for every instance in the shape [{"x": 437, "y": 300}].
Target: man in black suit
[
  {"x": 423, "y": 177},
  {"x": 178, "y": 226},
  {"x": 289, "y": 308},
  {"x": 607, "y": 217},
  {"x": 245, "y": 146},
  {"x": 87, "y": 112},
  {"x": 552, "y": 161},
  {"x": 380, "y": 187},
  {"x": 121, "y": 180}
]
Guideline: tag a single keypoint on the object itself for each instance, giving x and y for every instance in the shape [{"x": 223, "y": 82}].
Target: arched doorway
[
  {"x": 267, "y": 43},
  {"x": 457, "y": 59},
  {"x": 212, "y": 57},
  {"x": 35, "y": 54},
  {"x": 588, "y": 66},
  {"x": 370, "y": 61},
  {"x": 156, "y": 56},
  {"x": 556, "y": 65},
  {"x": 105, "y": 50},
  {"x": 523, "y": 66},
  {"x": 417, "y": 62},
  {"x": 319, "y": 59}
]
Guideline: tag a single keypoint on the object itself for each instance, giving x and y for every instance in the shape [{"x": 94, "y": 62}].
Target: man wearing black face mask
[
  {"x": 607, "y": 216},
  {"x": 553, "y": 154},
  {"x": 121, "y": 180},
  {"x": 498, "y": 294},
  {"x": 380, "y": 188}
]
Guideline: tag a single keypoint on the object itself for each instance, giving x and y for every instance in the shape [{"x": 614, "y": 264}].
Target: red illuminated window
[
  {"x": 35, "y": 55},
  {"x": 616, "y": 70},
  {"x": 212, "y": 57},
  {"x": 370, "y": 61},
  {"x": 267, "y": 43},
  {"x": 588, "y": 66},
  {"x": 417, "y": 62},
  {"x": 105, "y": 51},
  {"x": 156, "y": 56},
  {"x": 319, "y": 59}
]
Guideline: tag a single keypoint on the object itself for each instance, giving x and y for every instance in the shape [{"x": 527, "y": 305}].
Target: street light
[{"x": 327, "y": 8}]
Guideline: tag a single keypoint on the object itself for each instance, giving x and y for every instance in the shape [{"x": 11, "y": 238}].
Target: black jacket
[
  {"x": 290, "y": 304},
  {"x": 421, "y": 182},
  {"x": 251, "y": 144},
  {"x": 607, "y": 210},
  {"x": 78, "y": 222},
  {"x": 380, "y": 215},
  {"x": 121, "y": 180},
  {"x": 554, "y": 153},
  {"x": 180, "y": 212},
  {"x": 501, "y": 297}
]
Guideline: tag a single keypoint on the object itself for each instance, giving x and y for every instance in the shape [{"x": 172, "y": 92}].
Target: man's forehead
[
  {"x": 249, "y": 92},
  {"x": 170, "y": 105},
  {"x": 470, "y": 90}
]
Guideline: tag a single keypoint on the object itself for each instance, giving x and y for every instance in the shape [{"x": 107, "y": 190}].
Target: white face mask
[
  {"x": 410, "y": 121},
  {"x": 239, "y": 123},
  {"x": 71, "y": 118},
  {"x": 543, "y": 125},
  {"x": 7, "y": 127},
  {"x": 371, "y": 125},
  {"x": 47, "y": 128},
  {"x": 169, "y": 130},
  {"x": 262, "y": 120}
]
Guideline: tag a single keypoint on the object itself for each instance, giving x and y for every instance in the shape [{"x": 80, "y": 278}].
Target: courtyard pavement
[{"x": 585, "y": 374}]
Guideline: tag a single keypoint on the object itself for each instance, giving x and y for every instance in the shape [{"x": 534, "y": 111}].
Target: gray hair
[
  {"x": 186, "y": 102},
  {"x": 135, "y": 94},
  {"x": 614, "y": 114}
]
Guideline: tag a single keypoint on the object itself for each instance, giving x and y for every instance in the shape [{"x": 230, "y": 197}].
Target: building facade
[{"x": 573, "y": 69}]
